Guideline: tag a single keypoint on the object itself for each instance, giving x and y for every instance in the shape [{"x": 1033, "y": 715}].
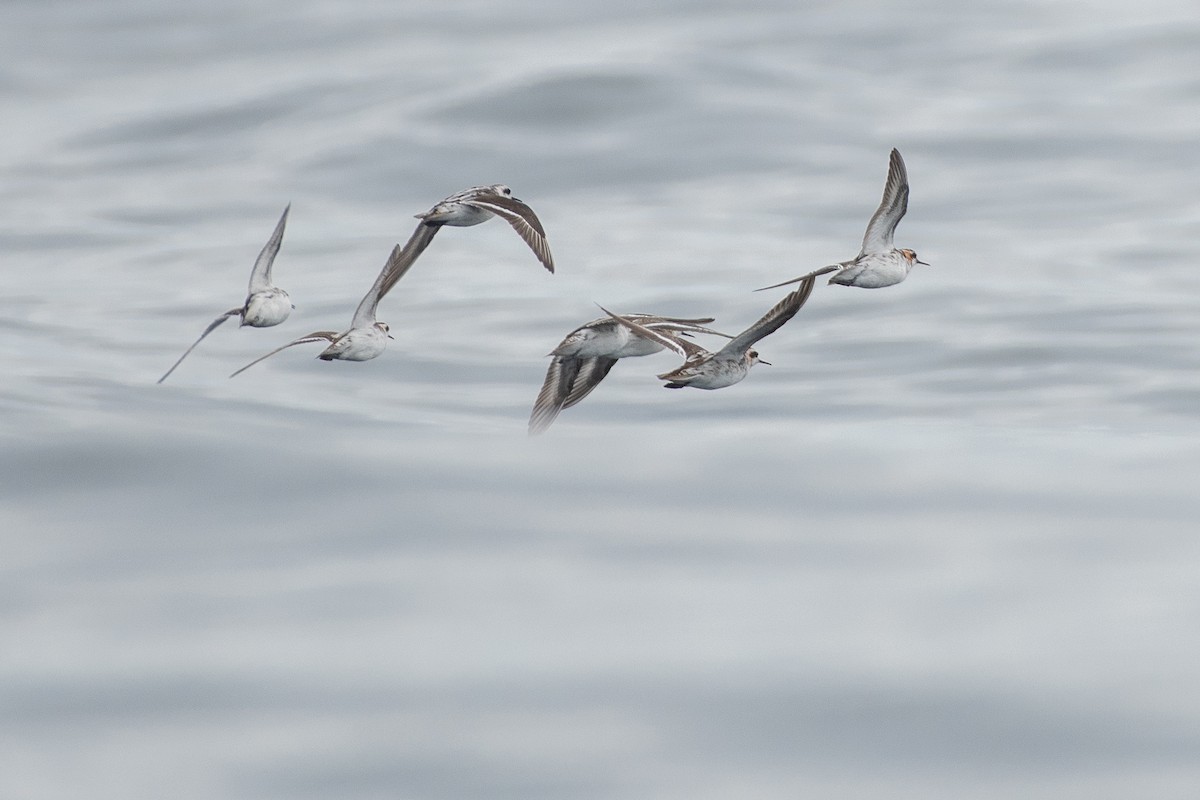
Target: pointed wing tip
[
  {"x": 807, "y": 286},
  {"x": 545, "y": 412},
  {"x": 235, "y": 373},
  {"x": 279, "y": 226},
  {"x": 777, "y": 285}
]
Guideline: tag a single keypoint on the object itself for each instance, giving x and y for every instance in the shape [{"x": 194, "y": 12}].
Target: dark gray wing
[
  {"x": 393, "y": 269},
  {"x": 523, "y": 221},
  {"x": 233, "y": 312},
  {"x": 678, "y": 327},
  {"x": 260, "y": 276},
  {"x": 670, "y": 342},
  {"x": 773, "y": 320},
  {"x": 591, "y": 372},
  {"x": 413, "y": 248},
  {"x": 813, "y": 274},
  {"x": 882, "y": 227},
  {"x": 644, "y": 318},
  {"x": 318, "y": 336},
  {"x": 559, "y": 378},
  {"x": 568, "y": 381}
]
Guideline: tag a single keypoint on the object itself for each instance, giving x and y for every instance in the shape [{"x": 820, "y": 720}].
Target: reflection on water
[{"x": 944, "y": 543}]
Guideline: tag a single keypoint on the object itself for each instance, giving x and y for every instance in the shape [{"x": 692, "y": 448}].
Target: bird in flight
[
  {"x": 266, "y": 304},
  {"x": 879, "y": 263},
  {"x": 729, "y": 365},
  {"x": 585, "y": 355},
  {"x": 367, "y": 337}
]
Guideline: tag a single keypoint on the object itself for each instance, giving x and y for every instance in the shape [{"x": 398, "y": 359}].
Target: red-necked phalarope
[
  {"x": 879, "y": 263},
  {"x": 584, "y": 357},
  {"x": 366, "y": 338},
  {"x": 266, "y": 305},
  {"x": 473, "y": 206},
  {"x": 732, "y": 363}
]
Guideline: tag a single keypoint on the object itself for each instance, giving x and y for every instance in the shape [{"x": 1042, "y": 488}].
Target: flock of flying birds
[{"x": 585, "y": 356}]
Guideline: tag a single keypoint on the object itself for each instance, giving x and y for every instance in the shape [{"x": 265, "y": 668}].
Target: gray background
[{"x": 944, "y": 548}]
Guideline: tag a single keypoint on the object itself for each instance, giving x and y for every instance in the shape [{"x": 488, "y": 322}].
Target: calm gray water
[{"x": 945, "y": 547}]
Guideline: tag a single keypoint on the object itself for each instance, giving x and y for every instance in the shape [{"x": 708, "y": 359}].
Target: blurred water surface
[{"x": 944, "y": 547}]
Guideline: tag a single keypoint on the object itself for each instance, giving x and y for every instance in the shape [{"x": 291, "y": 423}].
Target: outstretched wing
[
  {"x": 669, "y": 342},
  {"x": 319, "y": 336},
  {"x": 882, "y": 227},
  {"x": 693, "y": 350},
  {"x": 560, "y": 375},
  {"x": 813, "y": 274},
  {"x": 364, "y": 315},
  {"x": 591, "y": 372},
  {"x": 679, "y": 327},
  {"x": 773, "y": 320},
  {"x": 260, "y": 276},
  {"x": 676, "y": 320},
  {"x": 522, "y": 219},
  {"x": 568, "y": 381},
  {"x": 233, "y": 312},
  {"x": 413, "y": 248}
]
